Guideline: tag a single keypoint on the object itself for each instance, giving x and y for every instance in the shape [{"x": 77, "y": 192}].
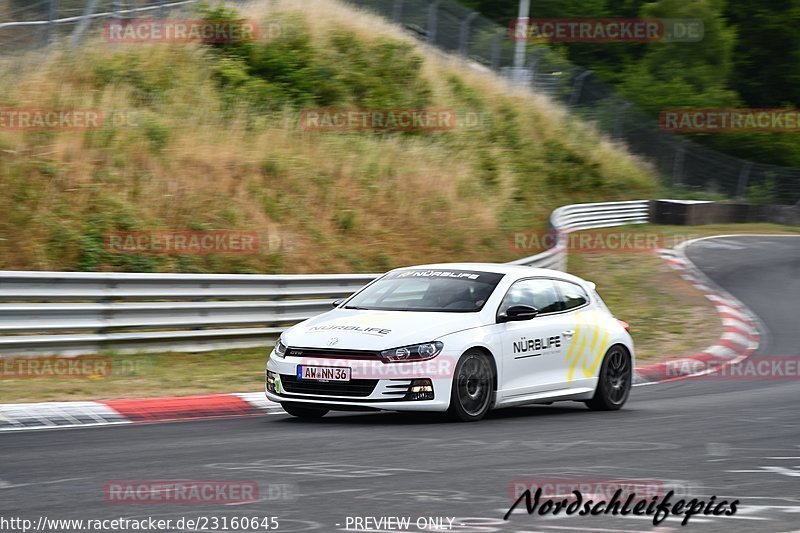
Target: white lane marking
[
  {"x": 66, "y": 426},
  {"x": 721, "y": 352},
  {"x": 738, "y": 338},
  {"x": 321, "y": 469},
  {"x": 723, "y": 245},
  {"x": 46, "y": 414},
  {"x": 771, "y": 469},
  {"x": 728, "y": 310},
  {"x": 738, "y": 324},
  {"x": 342, "y": 491},
  {"x": 602, "y": 530},
  {"x": 7, "y": 485},
  {"x": 258, "y": 400}
]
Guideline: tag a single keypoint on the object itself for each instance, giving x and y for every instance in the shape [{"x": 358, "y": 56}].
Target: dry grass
[
  {"x": 149, "y": 375},
  {"x": 324, "y": 202}
]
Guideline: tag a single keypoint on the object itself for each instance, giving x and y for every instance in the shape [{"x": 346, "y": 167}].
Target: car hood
[{"x": 355, "y": 329}]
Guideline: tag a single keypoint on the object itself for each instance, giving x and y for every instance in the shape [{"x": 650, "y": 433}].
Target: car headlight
[
  {"x": 415, "y": 352},
  {"x": 280, "y": 348}
]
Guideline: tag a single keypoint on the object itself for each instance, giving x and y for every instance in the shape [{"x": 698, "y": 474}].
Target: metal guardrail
[
  {"x": 578, "y": 217},
  {"x": 74, "y": 313},
  {"x": 123, "y": 286},
  {"x": 81, "y": 312},
  {"x": 90, "y": 14}
]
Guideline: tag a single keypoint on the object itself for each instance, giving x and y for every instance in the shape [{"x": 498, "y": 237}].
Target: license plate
[{"x": 323, "y": 373}]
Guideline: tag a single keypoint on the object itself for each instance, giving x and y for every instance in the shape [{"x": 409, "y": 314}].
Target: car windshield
[{"x": 451, "y": 291}]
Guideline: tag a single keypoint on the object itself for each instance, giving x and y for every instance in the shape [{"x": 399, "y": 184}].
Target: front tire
[
  {"x": 614, "y": 382},
  {"x": 301, "y": 411},
  {"x": 473, "y": 387}
]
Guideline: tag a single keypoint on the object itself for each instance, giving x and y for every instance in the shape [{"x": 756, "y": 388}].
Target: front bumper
[{"x": 374, "y": 385}]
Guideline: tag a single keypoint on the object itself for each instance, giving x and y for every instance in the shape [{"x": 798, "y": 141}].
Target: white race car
[{"x": 460, "y": 338}]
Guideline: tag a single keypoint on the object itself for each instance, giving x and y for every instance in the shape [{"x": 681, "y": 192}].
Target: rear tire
[
  {"x": 614, "y": 381},
  {"x": 302, "y": 411},
  {"x": 473, "y": 387}
]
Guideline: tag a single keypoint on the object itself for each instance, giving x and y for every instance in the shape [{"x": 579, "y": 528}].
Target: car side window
[
  {"x": 538, "y": 293},
  {"x": 572, "y": 295}
]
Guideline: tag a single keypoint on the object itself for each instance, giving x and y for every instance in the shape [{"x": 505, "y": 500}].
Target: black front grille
[
  {"x": 329, "y": 353},
  {"x": 354, "y": 387}
]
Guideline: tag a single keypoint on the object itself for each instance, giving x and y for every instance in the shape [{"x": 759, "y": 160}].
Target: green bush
[
  {"x": 762, "y": 193},
  {"x": 290, "y": 70}
]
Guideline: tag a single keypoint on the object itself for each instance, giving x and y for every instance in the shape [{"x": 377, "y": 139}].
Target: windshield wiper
[{"x": 355, "y": 307}]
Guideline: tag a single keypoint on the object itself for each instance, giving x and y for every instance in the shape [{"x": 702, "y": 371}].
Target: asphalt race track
[{"x": 735, "y": 440}]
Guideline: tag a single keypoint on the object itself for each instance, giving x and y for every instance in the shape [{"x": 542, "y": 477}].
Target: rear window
[{"x": 572, "y": 295}]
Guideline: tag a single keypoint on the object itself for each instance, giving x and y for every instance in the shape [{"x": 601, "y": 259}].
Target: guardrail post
[
  {"x": 397, "y": 11},
  {"x": 106, "y": 313},
  {"x": 530, "y": 72},
  {"x": 51, "y": 18},
  {"x": 433, "y": 13},
  {"x": 744, "y": 178},
  {"x": 677, "y": 166},
  {"x": 577, "y": 87},
  {"x": 619, "y": 119},
  {"x": 497, "y": 46},
  {"x": 463, "y": 37},
  {"x": 81, "y": 26}
]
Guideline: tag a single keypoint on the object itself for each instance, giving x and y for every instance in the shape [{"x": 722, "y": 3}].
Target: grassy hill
[{"x": 201, "y": 136}]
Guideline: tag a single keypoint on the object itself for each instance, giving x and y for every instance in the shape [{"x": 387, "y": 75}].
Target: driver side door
[{"x": 533, "y": 350}]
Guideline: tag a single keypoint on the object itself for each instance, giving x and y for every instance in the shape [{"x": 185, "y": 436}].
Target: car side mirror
[
  {"x": 337, "y": 303},
  {"x": 517, "y": 313}
]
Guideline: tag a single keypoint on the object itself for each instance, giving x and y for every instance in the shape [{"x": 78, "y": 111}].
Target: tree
[
  {"x": 684, "y": 74},
  {"x": 767, "y": 61}
]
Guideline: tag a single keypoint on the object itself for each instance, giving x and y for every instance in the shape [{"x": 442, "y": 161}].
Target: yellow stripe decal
[
  {"x": 596, "y": 351},
  {"x": 588, "y": 345},
  {"x": 581, "y": 342},
  {"x": 598, "y": 358}
]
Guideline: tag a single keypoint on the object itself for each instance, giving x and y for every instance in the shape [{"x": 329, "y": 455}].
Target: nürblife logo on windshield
[
  {"x": 535, "y": 347},
  {"x": 430, "y": 274},
  {"x": 438, "y": 274}
]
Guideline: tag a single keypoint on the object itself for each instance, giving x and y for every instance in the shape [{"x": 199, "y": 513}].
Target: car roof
[{"x": 515, "y": 271}]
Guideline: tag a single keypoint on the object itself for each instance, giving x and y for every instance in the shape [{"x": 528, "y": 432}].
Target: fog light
[
  {"x": 420, "y": 389},
  {"x": 273, "y": 382}
]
